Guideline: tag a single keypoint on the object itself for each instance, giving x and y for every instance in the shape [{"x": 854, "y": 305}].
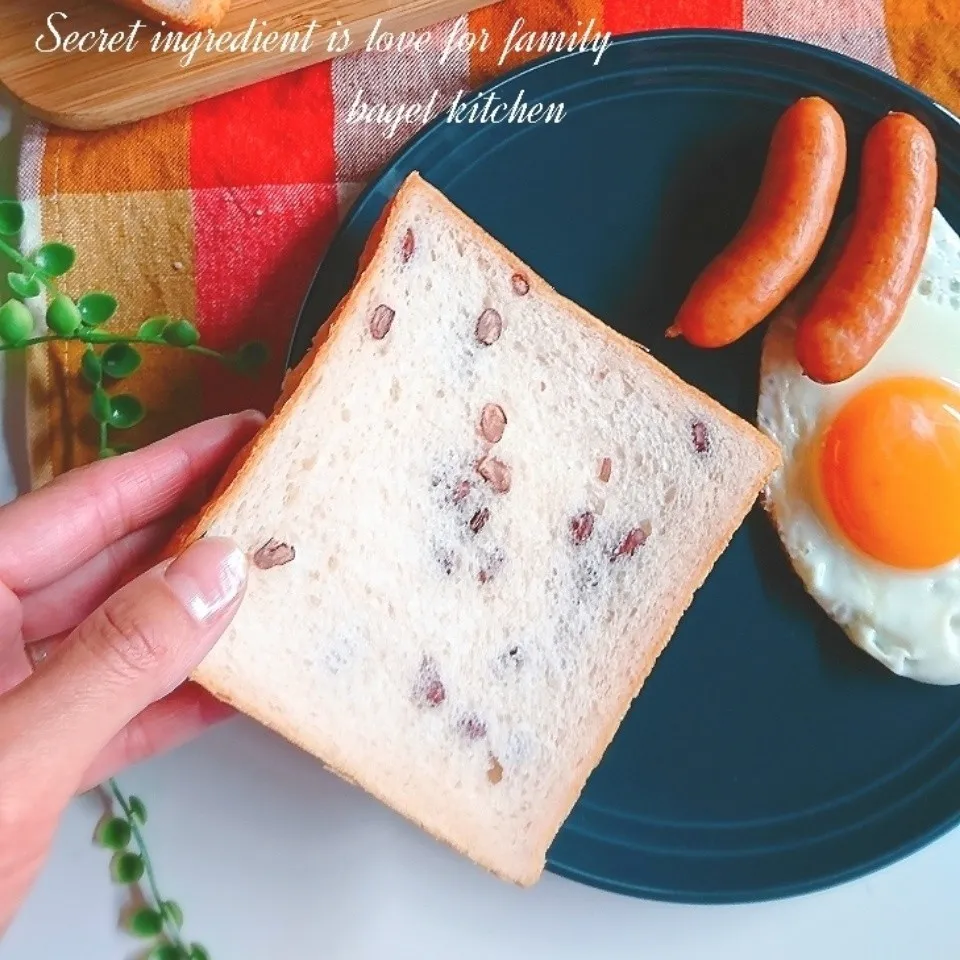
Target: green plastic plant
[
  {"x": 155, "y": 920},
  {"x": 107, "y": 359}
]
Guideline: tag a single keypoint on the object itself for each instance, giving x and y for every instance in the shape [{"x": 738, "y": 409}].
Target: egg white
[{"x": 908, "y": 620}]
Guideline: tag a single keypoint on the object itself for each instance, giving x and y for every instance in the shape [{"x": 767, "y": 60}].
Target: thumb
[{"x": 136, "y": 648}]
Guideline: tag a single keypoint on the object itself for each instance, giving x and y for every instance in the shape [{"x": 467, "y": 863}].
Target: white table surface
[{"x": 272, "y": 858}]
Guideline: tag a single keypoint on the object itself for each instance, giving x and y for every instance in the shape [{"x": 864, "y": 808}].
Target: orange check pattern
[{"x": 220, "y": 212}]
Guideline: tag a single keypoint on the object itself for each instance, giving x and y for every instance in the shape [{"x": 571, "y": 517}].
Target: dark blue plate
[{"x": 766, "y": 756}]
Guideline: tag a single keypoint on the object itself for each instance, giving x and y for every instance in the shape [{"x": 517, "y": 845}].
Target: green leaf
[
  {"x": 55, "y": 259},
  {"x": 120, "y": 360},
  {"x": 114, "y": 834},
  {"x": 101, "y": 406},
  {"x": 198, "y": 952},
  {"x": 172, "y": 913},
  {"x": 125, "y": 411},
  {"x": 152, "y": 329},
  {"x": 23, "y": 285},
  {"x": 138, "y": 809},
  {"x": 96, "y": 308},
  {"x": 106, "y": 453},
  {"x": 126, "y": 867},
  {"x": 16, "y": 322},
  {"x": 63, "y": 317},
  {"x": 145, "y": 922},
  {"x": 91, "y": 369},
  {"x": 11, "y": 217},
  {"x": 251, "y": 357},
  {"x": 166, "y": 951},
  {"x": 181, "y": 333}
]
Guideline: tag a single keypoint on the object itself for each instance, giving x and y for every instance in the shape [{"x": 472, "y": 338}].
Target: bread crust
[
  {"x": 251, "y": 455},
  {"x": 204, "y": 14}
]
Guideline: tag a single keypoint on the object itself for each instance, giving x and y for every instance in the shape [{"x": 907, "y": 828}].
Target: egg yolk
[{"x": 890, "y": 471}]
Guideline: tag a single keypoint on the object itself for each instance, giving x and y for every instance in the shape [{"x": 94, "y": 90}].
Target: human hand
[{"x": 106, "y": 686}]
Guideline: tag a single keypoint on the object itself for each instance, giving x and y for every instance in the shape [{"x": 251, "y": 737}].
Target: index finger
[{"x": 46, "y": 534}]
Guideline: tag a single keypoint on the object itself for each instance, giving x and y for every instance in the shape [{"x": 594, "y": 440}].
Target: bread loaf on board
[
  {"x": 474, "y": 521},
  {"x": 182, "y": 14}
]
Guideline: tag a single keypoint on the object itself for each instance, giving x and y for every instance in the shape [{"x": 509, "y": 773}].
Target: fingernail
[
  {"x": 38, "y": 651},
  {"x": 208, "y": 576}
]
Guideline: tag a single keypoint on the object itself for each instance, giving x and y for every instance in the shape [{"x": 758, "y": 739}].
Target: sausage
[
  {"x": 782, "y": 234},
  {"x": 863, "y": 297}
]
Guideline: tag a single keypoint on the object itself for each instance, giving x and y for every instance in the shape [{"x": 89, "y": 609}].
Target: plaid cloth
[{"x": 220, "y": 212}]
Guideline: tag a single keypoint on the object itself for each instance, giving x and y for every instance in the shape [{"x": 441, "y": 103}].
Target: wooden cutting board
[{"x": 93, "y": 90}]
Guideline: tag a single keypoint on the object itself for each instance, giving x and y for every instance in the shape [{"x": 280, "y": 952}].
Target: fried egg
[{"x": 867, "y": 502}]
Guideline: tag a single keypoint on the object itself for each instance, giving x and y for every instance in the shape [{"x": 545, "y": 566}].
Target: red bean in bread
[
  {"x": 863, "y": 297},
  {"x": 783, "y": 232}
]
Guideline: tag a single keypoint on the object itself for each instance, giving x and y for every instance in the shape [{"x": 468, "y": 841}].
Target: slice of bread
[
  {"x": 182, "y": 14},
  {"x": 474, "y": 519}
]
